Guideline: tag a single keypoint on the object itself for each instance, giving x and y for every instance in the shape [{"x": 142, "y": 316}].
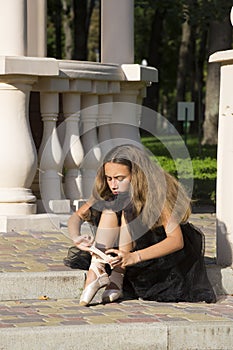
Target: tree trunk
[
  {"x": 67, "y": 27},
  {"x": 155, "y": 45},
  {"x": 58, "y": 26},
  {"x": 220, "y": 38},
  {"x": 82, "y": 17},
  {"x": 183, "y": 62},
  {"x": 80, "y": 37},
  {"x": 197, "y": 81}
]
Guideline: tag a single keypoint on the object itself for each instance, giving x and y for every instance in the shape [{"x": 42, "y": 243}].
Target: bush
[{"x": 204, "y": 166}]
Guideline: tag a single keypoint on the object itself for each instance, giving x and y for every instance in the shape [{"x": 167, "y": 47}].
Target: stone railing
[{"x": 100, "y": 106}]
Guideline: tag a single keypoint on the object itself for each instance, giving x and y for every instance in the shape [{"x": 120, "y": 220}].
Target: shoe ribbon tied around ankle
[{"x": 104, "y": 257}]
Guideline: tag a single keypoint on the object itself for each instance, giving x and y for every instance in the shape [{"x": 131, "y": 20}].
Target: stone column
[
  {"x": 13, "y": 28},
  {"x": 117, "y": 31},
  {"x": 72, "y": 148},
  {"x": 225, "y": 168},
  {"x": 36, "y": 28},
  {"x": 18, "y": 156},
  {"x": 224, "y": 191}
]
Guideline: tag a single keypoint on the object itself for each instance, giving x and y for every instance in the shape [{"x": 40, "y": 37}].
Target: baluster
[
  {"x": 125, "y": 112},
  {"x": 104, "y": 122},
  {"x": 50, "y": 152},
  {"x": 72, "y": 148}
]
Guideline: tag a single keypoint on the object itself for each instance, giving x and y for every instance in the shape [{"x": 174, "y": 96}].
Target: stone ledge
[
  {"x": 31, "y": 285},
  {"x": 222, "y": 56},
  {"x": 68, "y": 284},
  {"x": 28, "y": 66},
  {"x": 137, "y": 72},
  {"x": 221, "y": 279},
  {"x": 41, "y": 222},
  {"x": 140, "y": 336}
]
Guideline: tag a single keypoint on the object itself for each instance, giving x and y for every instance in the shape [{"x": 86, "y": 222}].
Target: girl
[{"x": 141, "y": 213}]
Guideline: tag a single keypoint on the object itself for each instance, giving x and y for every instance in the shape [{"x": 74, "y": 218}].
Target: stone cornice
[
  {"x": 84, "y": 70},
  {"x": 222, "y": 56},
  {"x": 90, "y": 70},
  {"x": 137, "y": 72},
  {"x": 23, "y": 65}
]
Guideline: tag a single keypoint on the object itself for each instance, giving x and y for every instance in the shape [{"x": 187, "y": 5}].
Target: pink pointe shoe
[
  {"x": 110, "y": 295},
  {"x": 102, "y": 278}
]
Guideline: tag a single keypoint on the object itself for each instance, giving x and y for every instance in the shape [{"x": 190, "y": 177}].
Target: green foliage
[{"x": 204, "y": 165}]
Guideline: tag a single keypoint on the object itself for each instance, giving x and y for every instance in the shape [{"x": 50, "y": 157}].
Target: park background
[{"x": 176, "y": 37}]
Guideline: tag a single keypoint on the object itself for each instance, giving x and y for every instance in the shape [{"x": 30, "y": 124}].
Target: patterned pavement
[
  {"x": 67, "y": 312},
  {"x": 32, "y": 251}
]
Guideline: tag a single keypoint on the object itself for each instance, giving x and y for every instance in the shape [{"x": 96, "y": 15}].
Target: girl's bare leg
[
  {"x": 125, "y": 244},
  {"x": 106, "y": 237}
]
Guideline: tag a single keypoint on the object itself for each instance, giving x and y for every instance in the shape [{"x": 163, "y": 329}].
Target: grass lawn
[{"x": 172, "y": 154}]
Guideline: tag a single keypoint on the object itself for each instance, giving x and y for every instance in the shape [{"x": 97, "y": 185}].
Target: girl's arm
[
  {"x": 172, "y": 243},
  {"x": 74, "y": 228}
]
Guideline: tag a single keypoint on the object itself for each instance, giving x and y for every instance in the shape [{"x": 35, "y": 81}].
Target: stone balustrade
[{"x": 100, "y": 107}]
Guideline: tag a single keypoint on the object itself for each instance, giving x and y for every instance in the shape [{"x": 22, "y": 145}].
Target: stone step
[
  {"x": 39, "y": 303},
  {"x": 131, "y": 324},
  {"x": 30, "y": 285},
  {"x": 69, "y": 284},
  {"x": 31, "y": 263}
]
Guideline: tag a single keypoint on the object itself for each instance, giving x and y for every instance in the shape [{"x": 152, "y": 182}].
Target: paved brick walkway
[
  {"x": 44, "y": 251},
  {"x": 33, "y": 313}
]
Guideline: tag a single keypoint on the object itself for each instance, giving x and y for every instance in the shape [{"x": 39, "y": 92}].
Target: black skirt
[{"x": 180, "y": 276}]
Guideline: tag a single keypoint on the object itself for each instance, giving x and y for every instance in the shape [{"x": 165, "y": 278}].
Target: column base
[{"x": 17, "y": 208}]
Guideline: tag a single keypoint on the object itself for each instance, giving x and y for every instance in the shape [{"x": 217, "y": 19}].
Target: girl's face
[{"x": 118, "y": 177}]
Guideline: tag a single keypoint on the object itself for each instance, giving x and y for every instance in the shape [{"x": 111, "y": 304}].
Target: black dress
[{"x": 179, "y": 276}]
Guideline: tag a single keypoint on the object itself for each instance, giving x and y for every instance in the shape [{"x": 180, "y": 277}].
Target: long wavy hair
[{"x": 155, "y": 194}]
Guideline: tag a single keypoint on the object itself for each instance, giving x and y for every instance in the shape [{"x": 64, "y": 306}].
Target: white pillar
[
  {"x": 13, "y": 28},
  {"x": 18, "y": 156},
  {"x": 50, "y": 152},
  {"x": 225, "y": 168},
  {"x": 117, "y": 31},
  {"x": 36, "y": 28},
  {"x": 72, "y": 148},
  {"x": 90, "y": 142}
]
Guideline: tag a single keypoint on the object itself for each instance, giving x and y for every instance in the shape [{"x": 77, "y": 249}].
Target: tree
[
  {"x": 54, "y": 28},
  {"x": 82, "y": 17},
  {"x": 68, "y": 17},
  {"x": 68, "y": 28},
  {"x": 172, "y": 35},
  {"x": 220, "y": 38}
]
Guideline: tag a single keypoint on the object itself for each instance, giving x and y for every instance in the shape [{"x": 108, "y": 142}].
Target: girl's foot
[{"x": 114, "y": 290}]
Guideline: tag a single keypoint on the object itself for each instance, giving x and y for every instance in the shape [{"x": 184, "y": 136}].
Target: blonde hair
[{"x": 155, "y": 194}]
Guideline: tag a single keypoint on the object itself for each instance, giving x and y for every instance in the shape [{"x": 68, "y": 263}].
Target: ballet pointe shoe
[
  {"x": 110, "y": 295},
  {"x": 102, "y": 278}
]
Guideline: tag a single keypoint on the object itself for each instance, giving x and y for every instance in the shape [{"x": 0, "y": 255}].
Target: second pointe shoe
[
  {"x": 102, "y": 280},
  {"x": 113, "y": 294}
]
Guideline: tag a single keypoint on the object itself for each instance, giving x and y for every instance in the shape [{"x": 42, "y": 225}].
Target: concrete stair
[{"x": 39, "y": 307}]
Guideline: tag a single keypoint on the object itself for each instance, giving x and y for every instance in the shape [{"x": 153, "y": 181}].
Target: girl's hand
[
  {"x": 122, "y": 258},
  {"x": 83, "y": 242}
]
